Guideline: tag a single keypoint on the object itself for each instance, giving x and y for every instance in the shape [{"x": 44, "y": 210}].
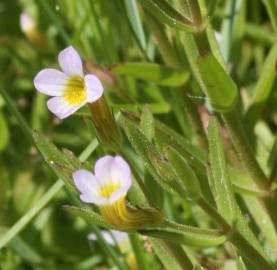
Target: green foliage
[
  {"x": 172, "y": 71},
  {"x": 158, "y": 74}
]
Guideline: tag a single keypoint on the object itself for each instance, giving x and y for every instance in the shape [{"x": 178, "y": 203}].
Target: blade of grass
[
  {"x": 138, "y": 250},
  {"x": 56, "y": 21}
]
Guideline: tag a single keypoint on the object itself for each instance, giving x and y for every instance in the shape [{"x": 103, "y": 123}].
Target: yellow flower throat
[{"x": 75, "y": 91}]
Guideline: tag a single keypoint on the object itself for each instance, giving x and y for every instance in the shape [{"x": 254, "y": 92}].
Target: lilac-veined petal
[
  {"x": 102, "y": 170},
  {"x": 85, "y": 181},
  {"x": 94, "y": 88},
  {"x": 92, "y": 198},
  {"x": 118, "y": 194},
  {"x": 26, "y": 22},
  {"x": 61, "y": 108},
  {"x": 70, "y": 62},
  {"x": 51, "y": 82},
  {"x": 121, "y": 172},
  {"x": 113, "y": 169}
]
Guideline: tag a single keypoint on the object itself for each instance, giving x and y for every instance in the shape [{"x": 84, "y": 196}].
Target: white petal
[
  {"x": 70, "y": 62},
  {"x": 102, "y": 170},
  {"x": 51, "y": 82},
  {"x": 26, "y": 22},
  {"x": 95, "y": 199},
  {"x": 110, "y": 169},
  {"x": 117, "y": 194},
  {"x": 61, "y": 108},
  {"x": 94, "y": 88},
  {"x": 85, "y": 181},
  {"x": 121, "y": 172},
  {"x": 120, "y": 237}
]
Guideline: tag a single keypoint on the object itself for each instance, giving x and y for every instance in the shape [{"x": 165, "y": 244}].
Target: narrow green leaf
[
  {"x": 4, "y": 131},
  {"x": 24, "y": 220},
  {"x": 56, "y": 20},
  {"x": 263, "y": 88},
  {"x": 188, "y": 239},
  {"x": 219, "y": 180},
  {"x": 166, "y": 14},
  {"x": 14, "y": 110},
  {"x": 271, "y": 7},
  {"x": 88, "y": 215},
  {"x": 138, "y": 250},
  {"x": 134, "y": 18},
  {"x": 170, "y": 256},
  {"x": 146, "y": 151},
  {"x": 60, "y": 163},
  {"x": 147, "y": 123},
  {"x": 240, "y": 264},
  {"x": 167, "y": 136},
  {"x": 159, "y": 74},
  {"x": 220, "y": 88},
  {"x": 262, "y": 219},
  {"x": 184, "y": 172}
]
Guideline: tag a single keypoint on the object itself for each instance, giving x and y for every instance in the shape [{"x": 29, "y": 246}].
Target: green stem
[
  {"x": 138, "y": 250},
  {"x": 179, "y": 254},
  {"x": 172, "y": 256},
  {"x": 23, "y": 221},
  {"x": 243, "y": 148},
  {"x": 171, "y": 58},
  {"x": 212, "y": 212},
  {"x": 20, "y": 120},
  {"x": 236, "y": 238},
  {"x": 195, "y": 121},
  {"x": 234, "y": 125},
  {"x": 271, "y": 7}
]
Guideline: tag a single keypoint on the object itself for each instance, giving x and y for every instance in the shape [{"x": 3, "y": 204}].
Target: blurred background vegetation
[{"x": 106, "y": 33}]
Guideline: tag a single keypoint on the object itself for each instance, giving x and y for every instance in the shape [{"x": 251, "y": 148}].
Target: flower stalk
[
  {"x": 171, "y": 58},
  {"x": 229, "y": 114}
]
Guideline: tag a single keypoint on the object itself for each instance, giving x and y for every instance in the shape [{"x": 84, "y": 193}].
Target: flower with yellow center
[
  {"x": 30, "y": 29},
  {"x": 107, "y": 188},
  {"x": 70, "y": 89},
  {"x": 121, "y": 239}
]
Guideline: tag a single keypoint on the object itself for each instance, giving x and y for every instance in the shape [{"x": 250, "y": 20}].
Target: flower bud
[
  {"x": 106, "y": 128},
  {"x": 29, "y": 28}
]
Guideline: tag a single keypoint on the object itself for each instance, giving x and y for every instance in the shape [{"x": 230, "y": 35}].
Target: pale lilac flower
[
  {"x": 70, "y": 88},
  {"x": 107, "y": 188},
  {"x": 110, "y": 181},
  {"x": 26, "y": 23},
  {"x": 113, "y": 238}
]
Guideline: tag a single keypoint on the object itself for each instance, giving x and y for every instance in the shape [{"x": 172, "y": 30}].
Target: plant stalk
[
  {"x": 243, "y": 148},
  {"x": 171, "y": 58},
  {"x": 231, "y": 118}
]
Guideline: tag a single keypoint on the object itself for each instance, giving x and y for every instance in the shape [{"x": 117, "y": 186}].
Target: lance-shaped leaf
[
  {"x": 167, "y": 136},
  {"x": 166, "y": 14},
  {"x": 240, "y": 264},
  {"x": 88, "y": 215},
  {"x": 219, "y": 177},
  {"x": 220, "y": 88},
  {"x": 184, "y": 173},
  {"x": 158, "y": 74},
  {"x": 151, "y": 158},
  {"x": 263, "y": 87},
  {"x": 4, "y": 134},
  {"x": 147, "y": 123},
  {"x": 134, "y": 18},
  {"x": 165, "y": 255},
  {"x": 62, "y": 163},
  {"x": 187, "y": 238}
]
